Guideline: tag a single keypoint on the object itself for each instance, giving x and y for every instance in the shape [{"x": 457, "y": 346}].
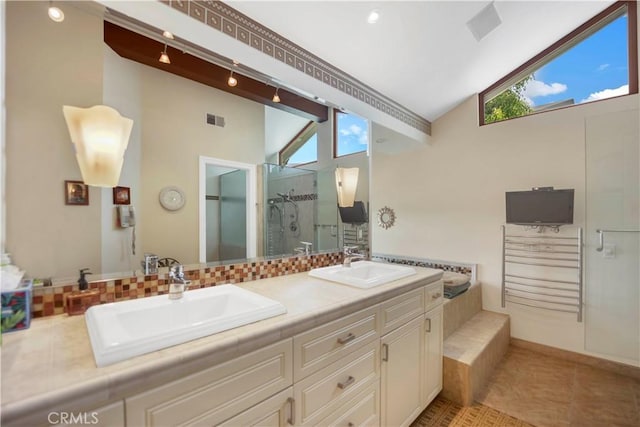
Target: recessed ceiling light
[
  {"x": 168, "y": 34},
  {"x": 373, "y": 17},
  {"x": 56, "y": 14}
]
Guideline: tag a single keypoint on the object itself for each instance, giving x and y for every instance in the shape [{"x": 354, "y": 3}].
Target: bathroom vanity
[{"x": 339, "y": 356}]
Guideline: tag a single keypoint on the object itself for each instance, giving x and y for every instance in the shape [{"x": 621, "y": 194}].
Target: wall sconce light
[
  {"x": 346, "y": 184},
  {"x": 232, "y": 81},
  {"x": 164, "y": 58},
  {"x": 100, "y": 135},
  {"x": 55, "y": 13},
  {"x": 276, "y": 97}
]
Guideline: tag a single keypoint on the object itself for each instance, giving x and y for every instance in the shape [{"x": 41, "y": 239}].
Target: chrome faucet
[
  {"x": 177, "y": 283},
  {"x": 350, "y": 255},
  {"x": 304, "y": 251}
]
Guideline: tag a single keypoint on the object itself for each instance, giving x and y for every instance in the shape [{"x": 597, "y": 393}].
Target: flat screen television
[
  {"x": 540, "y": 207},
  {"x": 357, "y": 214}
]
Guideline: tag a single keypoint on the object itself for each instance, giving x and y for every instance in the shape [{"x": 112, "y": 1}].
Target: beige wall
[
  {"x": 449, "y": 195},
  {"x": 39, "y": 154},
  {"x": 174, "y": 135}
]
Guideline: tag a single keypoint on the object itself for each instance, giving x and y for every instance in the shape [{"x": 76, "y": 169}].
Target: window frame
[
  {"x": 296, "y": 143},
  {"x": 335, "y": 135},
  {"x": 565, "y": 43}
]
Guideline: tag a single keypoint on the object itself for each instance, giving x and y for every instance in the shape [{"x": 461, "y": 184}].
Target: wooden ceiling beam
[{"x": 144, "y": 50}]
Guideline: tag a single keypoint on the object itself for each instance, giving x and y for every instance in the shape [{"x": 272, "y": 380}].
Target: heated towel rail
[{"x": 543, "y": 271}]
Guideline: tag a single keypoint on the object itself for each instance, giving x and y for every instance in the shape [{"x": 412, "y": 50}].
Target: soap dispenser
[{"x": 77, "y": 302}]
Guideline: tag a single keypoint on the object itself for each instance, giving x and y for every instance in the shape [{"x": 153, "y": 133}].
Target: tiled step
[{"x": 471, "y": 353}]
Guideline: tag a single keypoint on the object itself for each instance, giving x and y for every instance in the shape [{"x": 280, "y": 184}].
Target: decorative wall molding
[{"x": 233, "y": 23}]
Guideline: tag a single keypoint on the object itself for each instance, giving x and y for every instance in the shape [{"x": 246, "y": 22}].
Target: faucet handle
[
  {"x": 348, "y": 250},
  {"x": 177, "y": 271}
]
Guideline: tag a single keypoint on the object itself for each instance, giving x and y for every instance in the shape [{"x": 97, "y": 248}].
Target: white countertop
[{"x": 50, "y": 366}]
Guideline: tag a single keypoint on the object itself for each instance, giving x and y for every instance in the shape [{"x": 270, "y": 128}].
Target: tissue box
[{"x": 16, "y": 307}]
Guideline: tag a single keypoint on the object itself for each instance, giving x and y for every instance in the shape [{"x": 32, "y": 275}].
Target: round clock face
[{"x": 172, "y": 198}]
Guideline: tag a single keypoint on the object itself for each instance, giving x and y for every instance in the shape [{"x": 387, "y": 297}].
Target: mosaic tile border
[
  {"x": 456, "y": 267},
  {"x": 296, "y": 198},
  {"x": 233, "y": 23},
  {"x": 49, "y": 300}
]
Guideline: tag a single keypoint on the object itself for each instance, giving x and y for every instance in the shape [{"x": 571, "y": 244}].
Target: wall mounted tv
[
  {"x": 540, "y": 207},
  {"x": 357, "y": 214}
]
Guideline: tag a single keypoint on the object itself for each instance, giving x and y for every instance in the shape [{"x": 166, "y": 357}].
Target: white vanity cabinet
[
  {"x": 217, "y": 394},
  {"x": 432, "y": 353},
  {"x": 402, "y": 368}
]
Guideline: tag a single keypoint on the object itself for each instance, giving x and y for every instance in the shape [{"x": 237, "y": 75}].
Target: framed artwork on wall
[
  {"x": 76, "y": 193},
  {"x": 121, "y": 196}
]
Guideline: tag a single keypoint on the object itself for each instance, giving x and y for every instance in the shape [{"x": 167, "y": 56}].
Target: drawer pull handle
[
  {"x": 347, "y": 383},
  {"x": 436, "y": 296},
  {"x": 346, "y": 339},
  {"x": 292, "y": 419},
  {"x": 428, "y": 324},
  {"x": 385, "y": 351}
]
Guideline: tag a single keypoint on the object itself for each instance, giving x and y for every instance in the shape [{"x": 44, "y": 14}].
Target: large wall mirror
[{"x": 49, "y": 65}]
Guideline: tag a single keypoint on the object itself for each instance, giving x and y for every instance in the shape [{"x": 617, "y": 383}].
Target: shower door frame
[{"x": 251, "y": 191}]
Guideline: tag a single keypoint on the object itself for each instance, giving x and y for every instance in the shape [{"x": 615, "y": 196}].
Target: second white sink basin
[
  {"x": 126, "y": 329},
  {"x": 363, "y": 274}
]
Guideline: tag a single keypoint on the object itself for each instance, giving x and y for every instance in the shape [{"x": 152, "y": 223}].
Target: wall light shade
[
  {"x": 100, "y": 135},
  {"x": 346, "y": 184}
]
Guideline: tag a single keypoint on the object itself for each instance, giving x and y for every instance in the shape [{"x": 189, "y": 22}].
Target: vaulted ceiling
[{"x": 421, "y": 54}]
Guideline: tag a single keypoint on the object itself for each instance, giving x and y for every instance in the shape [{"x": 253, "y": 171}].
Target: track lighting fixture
[
  {"x": 232, "y": 81},
  {"x": 276, "y": 98},
  {"x": 55, "y": 13},
  {"x": 164, "y": 58}
]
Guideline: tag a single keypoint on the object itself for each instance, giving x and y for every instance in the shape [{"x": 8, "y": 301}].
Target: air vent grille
[{"x": 212, "y": 119}]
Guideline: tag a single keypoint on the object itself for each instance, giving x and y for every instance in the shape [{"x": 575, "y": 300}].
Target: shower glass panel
[
  {"x": 291, "y": 209},
  {"x": 233, "y": 208},
  {"x": 612, "y": 271}
]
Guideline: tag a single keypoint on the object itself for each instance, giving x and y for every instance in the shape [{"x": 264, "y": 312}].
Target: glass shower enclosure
[
  {"x": 612, "y": 237},
  {"x": 291, "y": 211}
]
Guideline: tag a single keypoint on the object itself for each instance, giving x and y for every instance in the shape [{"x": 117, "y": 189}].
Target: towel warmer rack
[{"x": 543, "y": 271}]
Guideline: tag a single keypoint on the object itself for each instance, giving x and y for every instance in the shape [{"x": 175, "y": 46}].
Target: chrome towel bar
[{"x": 601, "y": 236}]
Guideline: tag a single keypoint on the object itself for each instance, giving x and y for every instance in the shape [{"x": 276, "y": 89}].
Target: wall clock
[{"x": 172, "y": 198}]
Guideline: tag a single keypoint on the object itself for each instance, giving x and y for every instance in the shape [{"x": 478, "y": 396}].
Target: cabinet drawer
[
  {"x": 401, "y": 309},
  {"x": 362, "y": 410},
  {"x": 320, "y": 394},
  {"x": 321, "y": 346},
  {"x": 274, "y": 412},
  {"x": 215, "y": 394},
  {"x": 434, "y": 295}
]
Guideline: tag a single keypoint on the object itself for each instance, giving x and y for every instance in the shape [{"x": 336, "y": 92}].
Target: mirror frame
[{"x": 252, "y": 184}]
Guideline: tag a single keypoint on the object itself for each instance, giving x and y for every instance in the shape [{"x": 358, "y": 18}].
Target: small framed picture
[
  {"x": 76, "y": 193},
  {"x": 121, "y": 196}
]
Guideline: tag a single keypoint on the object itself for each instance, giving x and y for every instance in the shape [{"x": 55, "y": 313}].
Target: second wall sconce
[{"x": 346, "y": 184}]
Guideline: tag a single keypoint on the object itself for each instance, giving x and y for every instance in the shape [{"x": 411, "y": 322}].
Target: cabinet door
[
  {"x": 277, "y": 411},
  {"x": 432, "y": 373},
  {"x": 402, "y": 368}
]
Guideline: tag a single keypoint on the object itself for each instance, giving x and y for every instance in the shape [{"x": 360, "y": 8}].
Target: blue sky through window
[
  {"x": 596, "y": 68},
  {"x": 352, "y": 134},
  {"x": 307, "y": 153}
]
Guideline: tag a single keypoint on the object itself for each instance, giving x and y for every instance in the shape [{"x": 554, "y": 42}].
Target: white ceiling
[{"x": 420, "y": 53}]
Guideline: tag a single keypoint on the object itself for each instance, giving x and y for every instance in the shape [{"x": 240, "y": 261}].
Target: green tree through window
[{"x": 510, "y": 103}]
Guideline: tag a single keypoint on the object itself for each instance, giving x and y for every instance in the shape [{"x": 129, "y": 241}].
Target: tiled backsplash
[
  {"x": 49, "y": 300},
  {"x": 456, "y": 267}
]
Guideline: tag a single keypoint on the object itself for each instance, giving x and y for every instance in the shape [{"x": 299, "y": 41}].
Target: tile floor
[{"x": 549, "y": 392}]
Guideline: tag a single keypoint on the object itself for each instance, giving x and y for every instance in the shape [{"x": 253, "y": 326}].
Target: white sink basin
[
  {"x": 363, "y": 274},
  {"x": 126, "y": 329}
]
